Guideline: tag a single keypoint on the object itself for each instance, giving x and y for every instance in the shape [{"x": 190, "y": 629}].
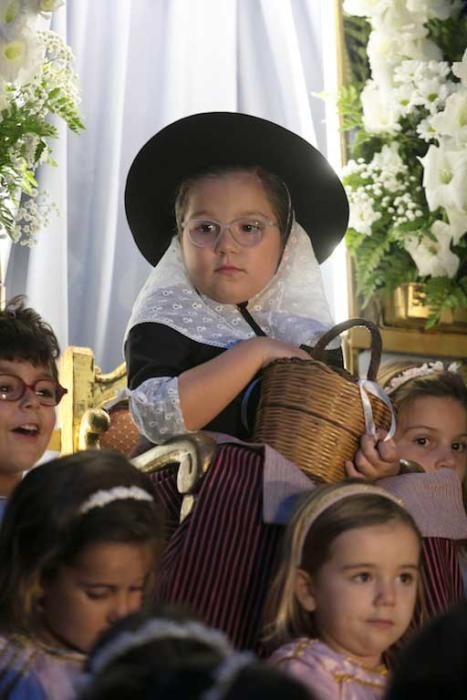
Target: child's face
[
  {"x": 363, "y": 596},
  {"x": 105, "y": 583},
  {"x": 433, "y": 432},
  {"x": 25, "y": 424},
  {"x": 231, "y": 273}
]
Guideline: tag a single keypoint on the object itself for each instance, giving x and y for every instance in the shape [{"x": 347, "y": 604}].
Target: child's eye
[
  {"x": 362, "y": 577},
  {"x": 97, "y": 593},
  {"x": 407, "y": 578},
  {"x": 251, "y": 226},
  {"x": 422, "y": 441},
  {"x": 458, "y": 446}
]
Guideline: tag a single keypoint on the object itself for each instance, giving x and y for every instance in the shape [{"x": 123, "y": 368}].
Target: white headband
[
  {"x": 341, "y": 494},
  {"x": 159, "y": 629},
  {"x": 118, "y": 493},
  {"x": 421, "y": 371},
  {"x": 226, "y": 673}
]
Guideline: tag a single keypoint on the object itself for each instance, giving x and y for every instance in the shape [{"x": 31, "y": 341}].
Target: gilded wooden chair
[
  {"x": 93, "y": 396},
  {"x": 93, "y": 415}
]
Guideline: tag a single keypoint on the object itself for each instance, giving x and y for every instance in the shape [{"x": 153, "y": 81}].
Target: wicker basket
[{"x": 312, "y": 413}]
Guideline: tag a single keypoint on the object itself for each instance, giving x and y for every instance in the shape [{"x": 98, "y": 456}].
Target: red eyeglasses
[{"x": 48, "y": 391}]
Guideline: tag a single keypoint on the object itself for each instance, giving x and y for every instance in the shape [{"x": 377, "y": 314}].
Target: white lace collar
[{"x": 292, "y": 307}]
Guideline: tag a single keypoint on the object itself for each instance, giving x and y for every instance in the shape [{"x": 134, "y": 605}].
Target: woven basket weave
[{"x": 312, "y": 413}]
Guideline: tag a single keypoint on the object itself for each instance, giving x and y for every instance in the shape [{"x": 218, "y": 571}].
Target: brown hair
[
  {"x": 24, "y": 335},
  {"x": 308, "y": 547},
  {"x": 43, "y": 528},
  {"x": 276, "y": 192}
]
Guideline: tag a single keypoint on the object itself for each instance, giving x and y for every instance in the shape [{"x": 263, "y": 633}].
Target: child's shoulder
[
  {"x": 30, "y": 670},
  {"x": 325, "y": 670}
]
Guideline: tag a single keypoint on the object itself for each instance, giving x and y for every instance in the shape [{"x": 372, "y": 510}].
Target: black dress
[{"x": 155, "y": 350}]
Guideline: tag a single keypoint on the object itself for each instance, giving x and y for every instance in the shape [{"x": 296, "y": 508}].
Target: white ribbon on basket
[{"x": 366, "y": 387}]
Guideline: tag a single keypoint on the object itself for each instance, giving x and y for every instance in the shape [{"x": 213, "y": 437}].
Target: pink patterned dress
[{"x": 329, "y": 675}]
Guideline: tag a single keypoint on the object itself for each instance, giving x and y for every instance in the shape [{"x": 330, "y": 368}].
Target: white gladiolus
[
  {"x": 452, "y": 121},
  {"x": 380, "y": 114},
  {"x": 429, "y": 9},
  {"x": 457, "y": 224},
  {"x": 445, "y": 177},
  {"x": 366, "y": 8},
  {"x": 19, "y": 57},
  {"x": 9, "y": 11},
  {"x": 459, "y": 68},
  {"x": 434, "y": 258}
]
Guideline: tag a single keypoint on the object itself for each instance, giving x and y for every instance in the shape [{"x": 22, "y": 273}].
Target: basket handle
[{"x": 376, "y": 342}]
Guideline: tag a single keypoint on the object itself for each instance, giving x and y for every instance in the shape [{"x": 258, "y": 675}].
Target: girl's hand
[
  {"x": 271, "y": 349},
  {"x": 375, "y": 459}
]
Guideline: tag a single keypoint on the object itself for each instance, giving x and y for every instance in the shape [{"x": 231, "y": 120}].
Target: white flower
[
  {"x": 456, "y": 228},
  {"x": 445, "y": 177},
  {"x": 433, "y": 257},
  {"x": 366, "y": 8},
  {"x": 19, "y": 57},
  {"x": 459, "y": 68},
  {"x": 452, "y": 121},
  {"x": 431, "y": 93},
  {"x": 428, "y": 9},
  {"x": 9, "y": 11},
  {"x": 362, "y": 213},
  {"x": 426, "y": 130},
  {"x": 380, "y": 114}
]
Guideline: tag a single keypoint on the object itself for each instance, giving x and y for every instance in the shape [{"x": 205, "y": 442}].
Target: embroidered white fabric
[
  {"x": 159, "y": 629},
  {"x": 118, "y": 493},
  {"x": 155, "y": 408},
  {"x": 292, "y": 307}
]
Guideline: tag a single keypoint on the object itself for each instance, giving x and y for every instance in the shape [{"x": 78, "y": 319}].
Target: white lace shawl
[{"x": 292, "y": 307}]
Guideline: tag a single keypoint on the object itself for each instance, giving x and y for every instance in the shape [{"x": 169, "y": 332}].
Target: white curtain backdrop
[{"x": 142, "y": 64}]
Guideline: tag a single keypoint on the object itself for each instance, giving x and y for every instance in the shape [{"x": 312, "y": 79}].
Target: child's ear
[{"x": 304, "y": 590}]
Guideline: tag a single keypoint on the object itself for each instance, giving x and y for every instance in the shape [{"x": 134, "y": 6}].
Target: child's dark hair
[
  {"x": 24, "y": 335},
  {"x": 276, "y": 191},
  {"x": 171, "y": 667},
  {"x": 43, "y": 527},
  {"x": 308, "y": 544},
  {"x": 434, "y": 663}
]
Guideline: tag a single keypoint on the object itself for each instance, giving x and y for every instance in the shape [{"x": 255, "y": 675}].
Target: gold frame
[{"x": 396, "y": 339}]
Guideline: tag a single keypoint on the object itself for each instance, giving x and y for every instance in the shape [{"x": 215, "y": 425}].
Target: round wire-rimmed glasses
[
  {"x": 247, "y": 231},
  {"x": 48, "y": 391}
]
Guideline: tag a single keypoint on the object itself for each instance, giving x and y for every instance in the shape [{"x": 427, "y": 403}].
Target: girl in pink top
[{"x": 345, "y": 591}]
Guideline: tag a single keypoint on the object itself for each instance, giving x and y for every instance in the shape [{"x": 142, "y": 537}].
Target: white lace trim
[
  {"x": 292, "y": 307},
  {"x": 155, "y": 408},
  {"x": 159, "y": 629}
]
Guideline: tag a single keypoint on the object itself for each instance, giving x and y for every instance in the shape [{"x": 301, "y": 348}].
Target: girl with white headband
[
  {"x": 430, "y": 402},
  {"x": 79, "y": 546},
  {"x": 345, "y": 589},
  {"x": 166, "y": 657}
]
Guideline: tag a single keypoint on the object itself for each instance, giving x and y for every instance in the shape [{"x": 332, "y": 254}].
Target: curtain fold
[{"x": 143, "y": 64}]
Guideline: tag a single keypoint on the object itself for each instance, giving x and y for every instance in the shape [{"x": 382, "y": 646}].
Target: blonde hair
[{"x": 318, "y": 520}]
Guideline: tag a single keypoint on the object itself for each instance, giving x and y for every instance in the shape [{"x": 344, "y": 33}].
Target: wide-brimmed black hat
[{"x": 216, "y": 139}]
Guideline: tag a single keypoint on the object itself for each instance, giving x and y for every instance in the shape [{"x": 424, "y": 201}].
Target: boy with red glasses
[{"x": 29, "y": 391}]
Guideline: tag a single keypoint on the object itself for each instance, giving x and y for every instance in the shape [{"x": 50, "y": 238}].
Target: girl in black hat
[
  {"x": 217, "y": 202},
  {"x": 235, "y": 213}
]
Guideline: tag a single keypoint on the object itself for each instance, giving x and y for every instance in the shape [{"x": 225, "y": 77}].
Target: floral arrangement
[
  {"x": 36, "y": 80},
  {"x": 407, "y": 176}
]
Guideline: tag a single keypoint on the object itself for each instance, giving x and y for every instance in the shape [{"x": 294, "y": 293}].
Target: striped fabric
[
  {"x": 441, "y": 575},
  {"x": 219, "y": 561}
]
